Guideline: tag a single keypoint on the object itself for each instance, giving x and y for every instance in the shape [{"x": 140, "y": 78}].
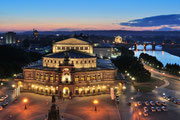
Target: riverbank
[
  {"x": 148, "y": 86},
  {"x": 173, "y": 51}
]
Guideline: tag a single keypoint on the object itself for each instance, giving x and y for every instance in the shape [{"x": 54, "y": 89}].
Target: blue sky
[{"x": 79, "y": 14}]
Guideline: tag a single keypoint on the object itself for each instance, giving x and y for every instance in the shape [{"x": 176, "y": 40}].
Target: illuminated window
[
  {"x": 37, "y": 76},
  {"x": 99, "y": 77},
  {"x": 77, "y": 48},
  {"x": 93, "y": 77},
  {"x": 57, "y": 78},
  {"x": 51, "y": 78},
  {"x": 76, "y": 78},
  {"x": 42, "y": 77},
  {"x": 88, "y": 78},
  {"x": 58, "y": 48},
  {"x": 82, "y": 78},
  {"x": 46, "y": 77}
]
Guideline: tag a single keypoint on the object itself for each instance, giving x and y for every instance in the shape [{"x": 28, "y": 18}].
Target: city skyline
[{"x": 19, "y": 15}]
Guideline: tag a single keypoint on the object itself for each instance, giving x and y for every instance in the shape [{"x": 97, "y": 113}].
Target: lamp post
[
  {"x": 139, "y": 115},
  {"x": 95, "y": 103},
  {"x": 25, "y": 100}
]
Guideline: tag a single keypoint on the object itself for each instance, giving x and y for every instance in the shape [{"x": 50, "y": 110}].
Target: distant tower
[
  {"x": 35, "y": 33},
  {"x": 10, "y": 38}
]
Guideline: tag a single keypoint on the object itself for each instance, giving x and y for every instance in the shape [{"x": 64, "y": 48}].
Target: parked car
[
  {"x": 145, "y": 109},
  {"x": 5, "y": 103},
  {"x": 152, "y": 103},
  {"x": 168, "y": 98},
  {"x": 139, "y": 103},
  {"x": 117, "y": 96},
  {"x": 117, "y": 100},
  {"x": 2, "y": 99},
  {"x": 158, "y": 109},
  {"x": 145, "y": 113},
  {"x": 129, "y": 103},
  {"x": 158, "y": 103},
  {"x": 1, "y": 108},
  {"x": 177, "y": 101},
  {"x": 153, "y": 109},
  {"x": 163, "y": 103},
  {"x": 147, "y": 103},
  {"x": 6, "y": 96},
  {"x": 164, "y": 108}
]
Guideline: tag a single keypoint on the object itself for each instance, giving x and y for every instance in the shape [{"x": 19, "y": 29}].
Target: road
[
  {"x": 80, "y": 108},
  {"x": 171, "y": 87}
]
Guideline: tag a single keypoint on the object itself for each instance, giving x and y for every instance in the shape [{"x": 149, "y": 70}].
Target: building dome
[{"x": 118, "y": 39}]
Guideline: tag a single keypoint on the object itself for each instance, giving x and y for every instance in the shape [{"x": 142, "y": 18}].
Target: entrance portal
[{"x": 66, "y": 92}]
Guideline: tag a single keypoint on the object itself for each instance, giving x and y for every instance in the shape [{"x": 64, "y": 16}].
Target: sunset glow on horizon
[{"x": 46, "y": 15}]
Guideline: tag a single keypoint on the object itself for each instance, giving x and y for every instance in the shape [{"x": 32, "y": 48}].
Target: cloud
[{"x": 155, "y": 21}]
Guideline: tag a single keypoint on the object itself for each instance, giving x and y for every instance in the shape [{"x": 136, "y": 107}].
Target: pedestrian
[{"x": 62, "y": 118}]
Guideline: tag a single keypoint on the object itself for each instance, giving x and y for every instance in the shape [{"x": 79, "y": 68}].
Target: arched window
[
  {"x": 76, "y": 78},
  {"x": 88, "y": 78},
  {"x": 51, "y": 78},
  {"x": 93, "y": 77},
  {"x": 37, "y": 76},
  {"x": 46, "y": 77},
  {"x": 82, "y": 78},
  {"x": 42, "y": 77},
  {"x": 57, "y": 78},
  {"x": 99, "y": 77}
]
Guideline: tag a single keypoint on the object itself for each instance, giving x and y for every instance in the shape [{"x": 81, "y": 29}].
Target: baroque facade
[{"x": 69, "y": 71}]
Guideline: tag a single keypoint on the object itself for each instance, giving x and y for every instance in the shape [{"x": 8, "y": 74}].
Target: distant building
[
  {"x": 1, "y": 39},
  {"x": 103, "y": 51},
  {"x": 118, "y": 39},
  {"x": 71, "y": 70},
  {"x": 10, "y": 38},
  {"x": 35, "y": 34}
]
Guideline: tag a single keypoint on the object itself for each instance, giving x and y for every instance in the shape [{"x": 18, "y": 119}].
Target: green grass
[{"x": 148, "y": 86}]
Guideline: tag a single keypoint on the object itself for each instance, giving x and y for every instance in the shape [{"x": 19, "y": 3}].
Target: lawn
[{"x": 148, "y": 86}]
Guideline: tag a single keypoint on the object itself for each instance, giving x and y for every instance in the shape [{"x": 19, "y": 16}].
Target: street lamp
[
  {"x": 132, "y": 98},
  {"x": 13, "y": 86},
  {"x": 25, "y": 100},
  {"x": 95, "y": 103},
  {"x": 139, "y": 114}
]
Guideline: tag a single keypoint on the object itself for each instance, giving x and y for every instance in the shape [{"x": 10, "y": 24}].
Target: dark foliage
[
  {"x": 13, "y": 59},
  {"x": 127, "y": 62},
  {"x": 151, "y": 60},
  {"x": 173, "y": 69}
]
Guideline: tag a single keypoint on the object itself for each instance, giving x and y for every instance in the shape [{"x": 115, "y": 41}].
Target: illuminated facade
[
  {"x": 118, "y": 39},
  {"x": 69, "y": 73}
]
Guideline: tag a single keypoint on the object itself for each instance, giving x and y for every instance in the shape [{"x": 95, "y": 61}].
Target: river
[{"x": 162, "y": 56}]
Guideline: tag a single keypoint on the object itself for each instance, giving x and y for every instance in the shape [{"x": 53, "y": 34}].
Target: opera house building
[{"x": 71, "y": 70}]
